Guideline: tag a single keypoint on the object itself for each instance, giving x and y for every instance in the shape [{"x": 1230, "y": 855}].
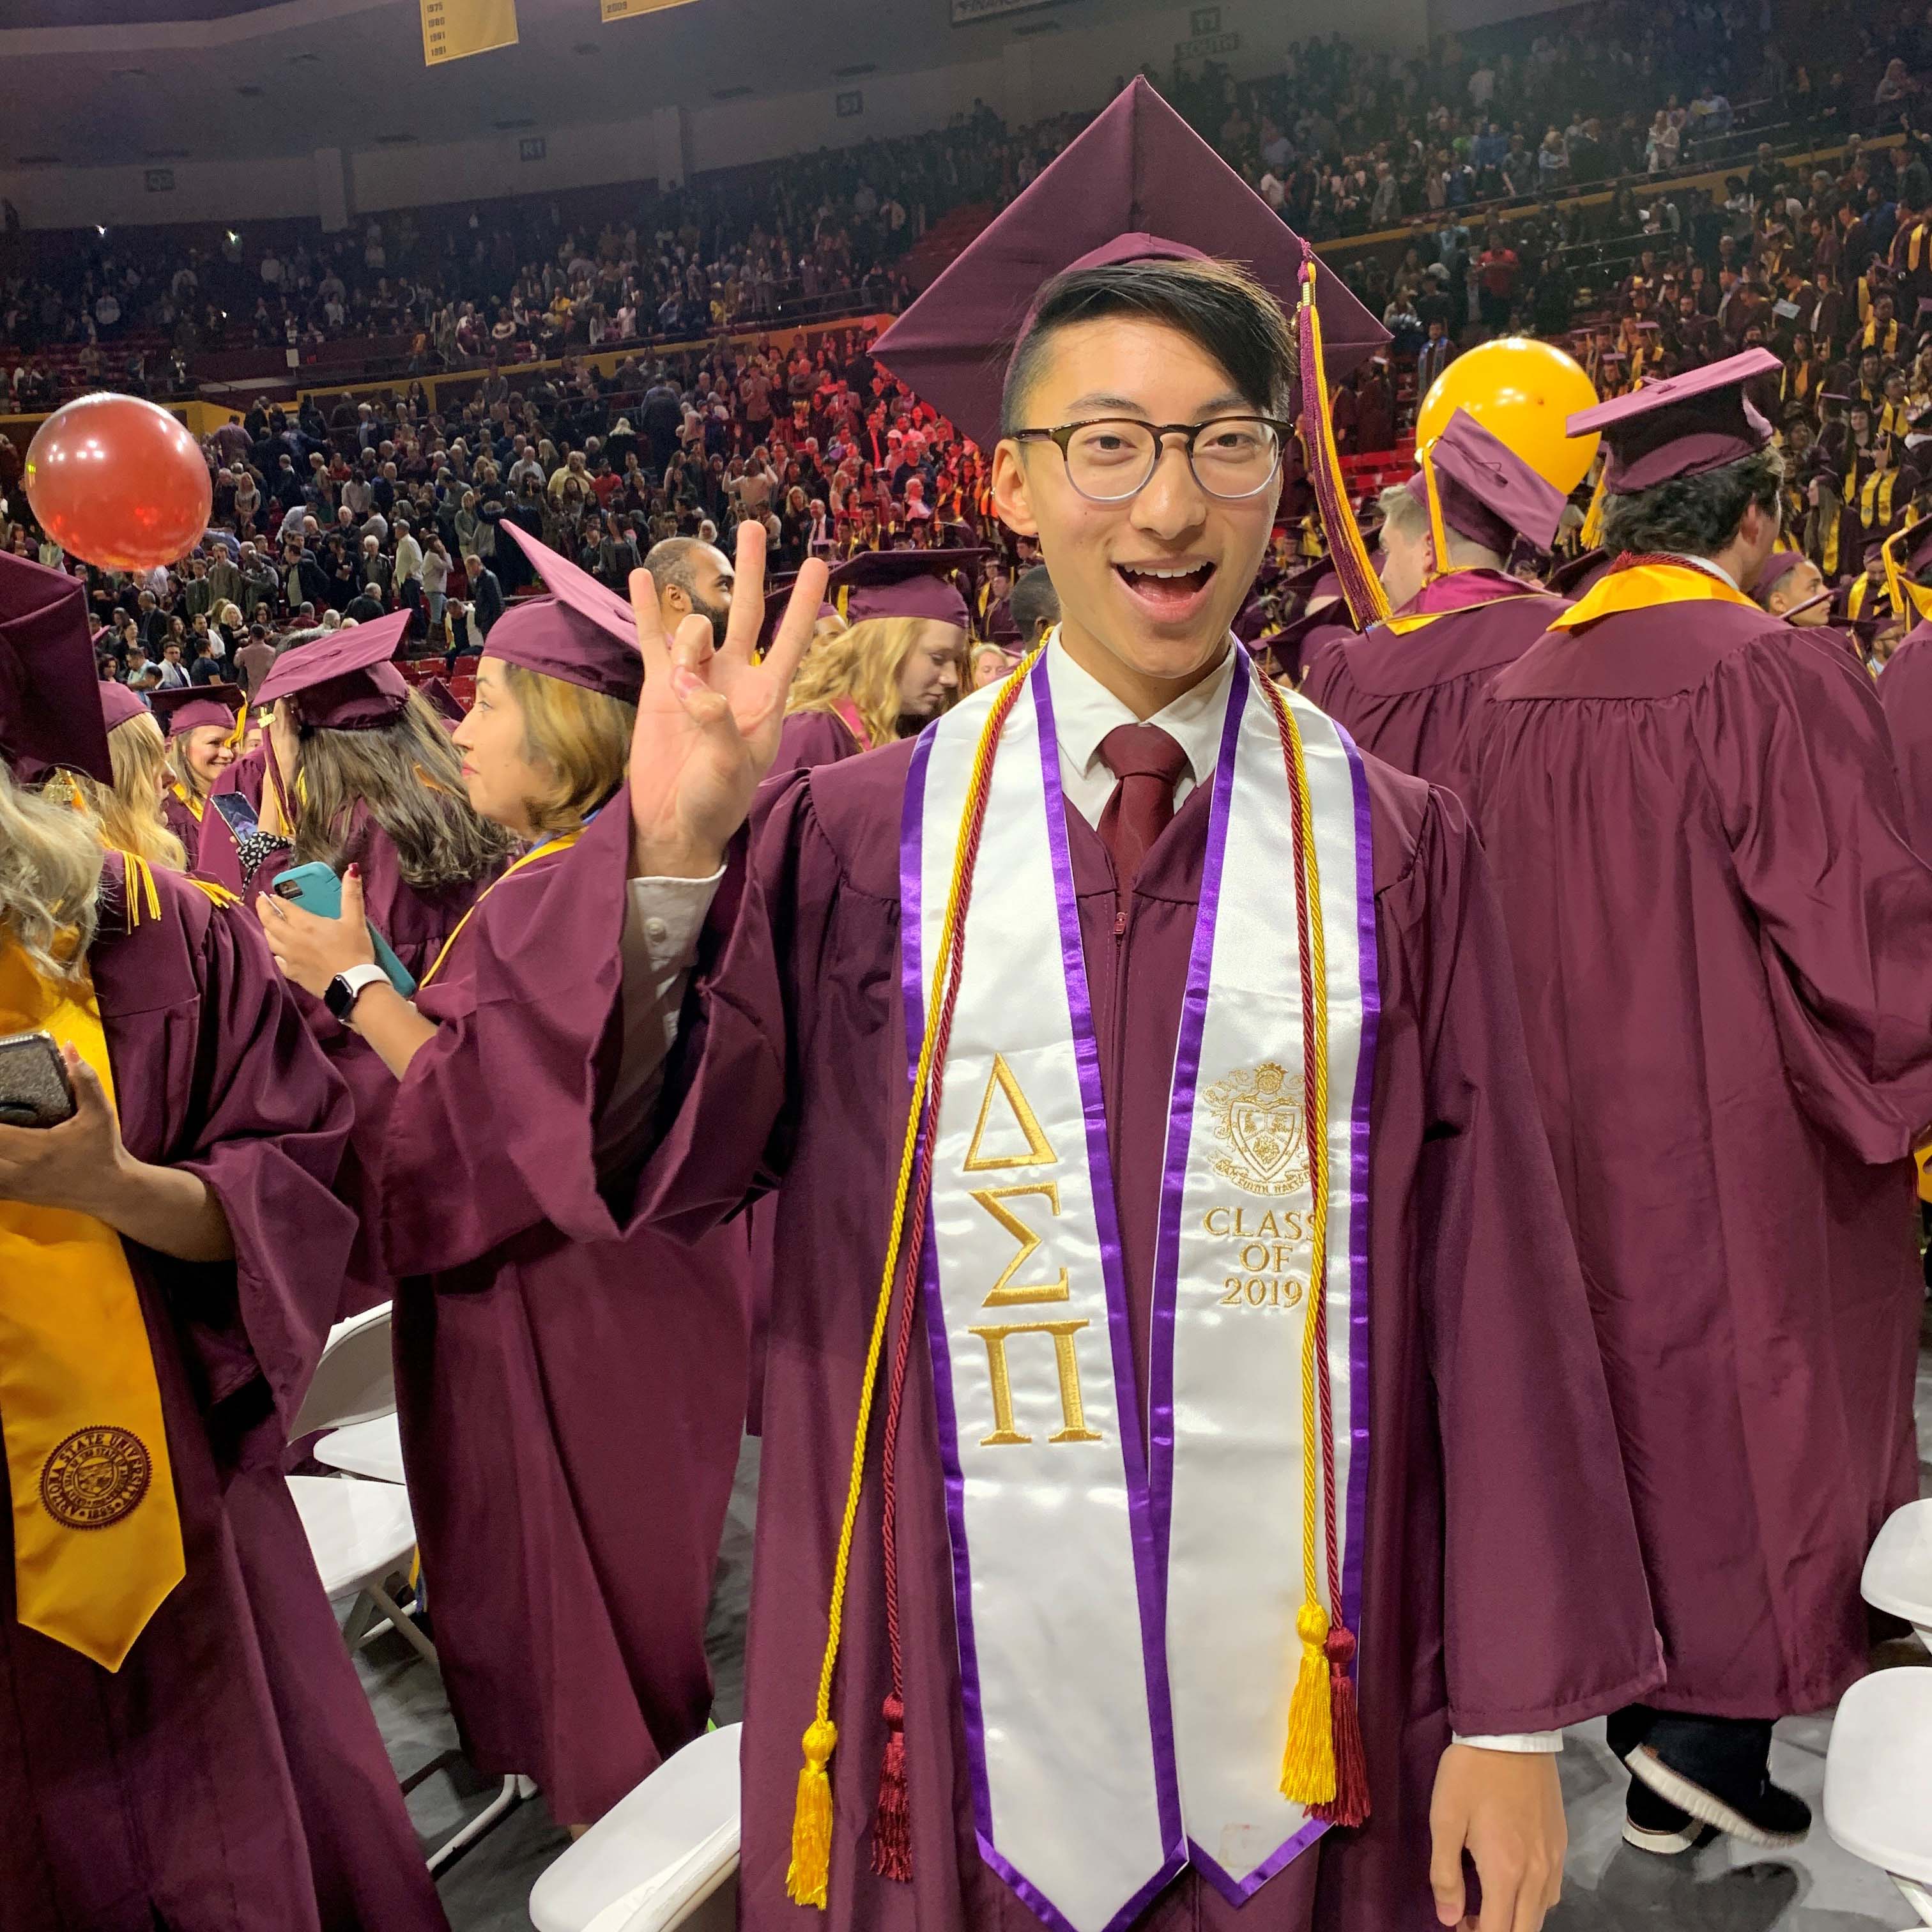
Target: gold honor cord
[{"x": 811, "y": 1818}]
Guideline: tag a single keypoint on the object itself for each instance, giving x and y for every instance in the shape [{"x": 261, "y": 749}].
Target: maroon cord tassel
[
  {"x": 891, "y": 1823},
  {"x": 1351, "y": 1803}
]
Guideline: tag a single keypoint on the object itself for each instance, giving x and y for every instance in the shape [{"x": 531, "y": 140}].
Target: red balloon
[{"x": 116, "y": 481}]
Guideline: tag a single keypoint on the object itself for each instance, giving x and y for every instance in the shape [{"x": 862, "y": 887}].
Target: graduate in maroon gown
[
  {"x": 1905, "y": 694},
  {"x": 569, "y": 1494},
  {"x": 184, "y": 1741},
  {"x": 1408, "y": 690},
  {"x": 1496, "y": 1589},
  {"x": 369, "y": 771},
  {"x": 202, "y": 724},
  {"x": 1723, "y": 943},
  {"x": 129, "y": 810}
]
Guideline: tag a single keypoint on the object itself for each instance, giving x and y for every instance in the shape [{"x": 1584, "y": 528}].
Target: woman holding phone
[
  {"x": 569, "y": 1504},
  {"x": 363, "y": 782},
  {"x": 180, "y": 1726}
]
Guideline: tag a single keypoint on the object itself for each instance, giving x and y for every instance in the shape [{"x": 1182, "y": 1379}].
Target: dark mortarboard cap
[
  {"x": 1317, "y": 578},
  {"x": 1680, "y": 427},
  {"x": 118, "y": 704},
  {"x": 346, "y": 680},
  {"x": 1487, "y": 493},
  {"x": 778, "y": 595},
  {"x": 436, "y": 693},
  {"x": 1574, "y": 576},
  {"x": 49, "y": 713},
  {"x": 583, "y": 632},
  {"x": 902, "y": 584},
  {"x": 1873, "y": 551},
  {"x": 186, "y": 707},
  {"x": 1137, "y": 180}
]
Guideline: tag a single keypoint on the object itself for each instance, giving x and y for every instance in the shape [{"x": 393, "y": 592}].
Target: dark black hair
[
  {"x": 1033, "y": 600},
  {"x": 1694, "y": 516},
  {"x": 1221, "y": 306}
]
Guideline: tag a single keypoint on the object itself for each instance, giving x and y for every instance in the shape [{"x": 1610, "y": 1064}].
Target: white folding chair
[
  {"x": 355, "y": 1378},
  {"x": 362, "y": 1534},
  {"x": 1878, "y": 1779},
  {"x": 666, "y": 1856},
  {"x": 372, "y": 1449},
  {"x": 1898, "y": 1572}
]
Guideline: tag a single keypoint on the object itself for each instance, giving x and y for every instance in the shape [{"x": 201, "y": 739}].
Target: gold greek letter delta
[
  {"x": 1072, "y": 1411},
  {"x": 1039, "y": 1149}
]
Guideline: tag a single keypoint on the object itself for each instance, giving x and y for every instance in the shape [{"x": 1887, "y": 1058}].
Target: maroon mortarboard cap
[
  {"x": 901, "y": 584},
  {"x": 1873, "y": 551},
  {"x": 1777, "y": 567},
  {"x": 1139, "y": 176},
  {"x": 1832, "y": 396},
  {"x": 1316, "y": 578},
  {"x": 1251, "y": 622},
  {"x": 778, "y": 595},
  {"x": 436, "y": 693},
  {"x": 583, "y": 632},
  {"x": 1680, "y": 427},
  {"x": 1573, "y": 577},
  {"x": 118, "y": 704},
  {"x": 1488, "y": 493},
  {"x": 186, "y": 707},
  {"x": 49, "y": 716},
  {"x": 346, "y": 680}
]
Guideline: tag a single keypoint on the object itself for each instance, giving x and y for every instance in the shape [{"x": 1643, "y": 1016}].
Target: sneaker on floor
[
  {"x": 1754, "y": 1810},
  {"x": 1653, "y": 1825}
]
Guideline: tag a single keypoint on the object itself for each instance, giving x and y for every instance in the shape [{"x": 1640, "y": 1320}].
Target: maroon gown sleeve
[
  {"x": 1547, "y": 1612},
  {"x": 1905, "y": 694},
  {"x": 1796, "y": 749},
  {"x": 270, "y": 1119}
]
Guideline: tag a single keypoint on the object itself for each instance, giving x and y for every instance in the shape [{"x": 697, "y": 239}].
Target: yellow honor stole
[
  {"x": 97, "y": 1531},
  {"x": 1642, "y": 587},
  {"x": 1827, "y": 559},
  {"x": 1875, "y": 497},
  {"x": 182, "y": 793}
]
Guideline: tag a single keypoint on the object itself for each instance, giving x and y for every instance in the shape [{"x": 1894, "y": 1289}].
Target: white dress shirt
[{"x": 663, "y": 917}]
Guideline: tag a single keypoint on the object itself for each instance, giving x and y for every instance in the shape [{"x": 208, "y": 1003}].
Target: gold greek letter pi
[{"x": 1072, "y": 1410}]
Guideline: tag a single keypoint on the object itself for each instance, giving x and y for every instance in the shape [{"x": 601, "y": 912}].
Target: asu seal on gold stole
[
  {"x": 96, "y": 1476},
  {"x": 1258, "y": 1117}
]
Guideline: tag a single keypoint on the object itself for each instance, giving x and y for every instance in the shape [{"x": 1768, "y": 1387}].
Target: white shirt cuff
[{"x": 1526, "y": 1743}]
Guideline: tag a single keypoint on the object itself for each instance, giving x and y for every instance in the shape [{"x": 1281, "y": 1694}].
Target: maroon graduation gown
[
  {"x": 416, "y": 924},
  {"x": 229, "y": 1777},
  {"x": 571, "y": 1397},
  {"x": 809, "y": 738},
  {"x": 1905, "y": 694},
  {"x": 1409, "y": 698},
  {"x": 1503, "y": 1589},
  {"x": 1723, "y": 945},
  {"x": 179, "y": 817}
]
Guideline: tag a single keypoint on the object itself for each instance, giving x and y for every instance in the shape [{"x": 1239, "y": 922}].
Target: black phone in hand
[{"x": 34, "y": 1089}]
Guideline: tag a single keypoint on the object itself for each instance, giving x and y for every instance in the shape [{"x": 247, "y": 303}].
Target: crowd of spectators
[{"x": 343, "y": 508}]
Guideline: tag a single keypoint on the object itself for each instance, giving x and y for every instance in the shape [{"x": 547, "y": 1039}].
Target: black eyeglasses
[{"x": 1114, "y": 457}]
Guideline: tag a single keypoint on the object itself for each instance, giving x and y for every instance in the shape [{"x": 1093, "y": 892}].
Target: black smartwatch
[{"x": 346, "y": 989}]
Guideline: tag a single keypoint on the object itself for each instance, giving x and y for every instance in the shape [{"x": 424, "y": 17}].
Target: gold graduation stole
[
  {"x": 1827, "y": 560},
  {"x": 1875, "y": 497},
  {"x": 1891, "y": 420},
  {"x": 1886, "y": 343},
  {"x": 96, "y": 1531},
  {"x": 181, "y": 791}
]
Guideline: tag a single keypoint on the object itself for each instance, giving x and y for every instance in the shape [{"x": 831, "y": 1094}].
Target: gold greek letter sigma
[
  {"x": 1072, "y": 1410},
  {"x": 1002, "y": 1295},
  {"x": 1039, "y": 1151}
]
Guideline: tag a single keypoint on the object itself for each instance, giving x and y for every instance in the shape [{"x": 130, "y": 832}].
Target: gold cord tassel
[
  {"x": 1308, "y": 1762},
  {"x": 811, "y": 1818}
]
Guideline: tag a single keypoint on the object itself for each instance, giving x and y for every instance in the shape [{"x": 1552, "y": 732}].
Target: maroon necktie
[{"x": 1149, "y": 764}]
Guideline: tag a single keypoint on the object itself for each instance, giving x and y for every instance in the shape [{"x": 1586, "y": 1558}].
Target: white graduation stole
[{"x": 1126, "y": 1624}]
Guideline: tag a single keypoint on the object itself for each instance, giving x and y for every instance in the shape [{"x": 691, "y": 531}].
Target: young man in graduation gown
[
  {"x": 184, "y": 1742},
  {"x": 1407, "y": 689},
  {"x": 1724, "y": 944},
  {"x": 1111, "y": 1636}
]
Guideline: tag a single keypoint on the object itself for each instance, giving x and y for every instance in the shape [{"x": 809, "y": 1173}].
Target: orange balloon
[
  {"x": 116, "y": 481},
  {"x": 1521, "y": 390}
]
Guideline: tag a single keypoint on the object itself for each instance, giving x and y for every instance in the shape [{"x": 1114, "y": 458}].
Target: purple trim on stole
[
  {"x": 1370, "y": 975},
  {"x": 1150, "y": 1593}
]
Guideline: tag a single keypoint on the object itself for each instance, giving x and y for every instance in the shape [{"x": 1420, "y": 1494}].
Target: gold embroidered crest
[
  {"x": 95, "y": 1477},
  {"x": 1258, "y": 1119}
]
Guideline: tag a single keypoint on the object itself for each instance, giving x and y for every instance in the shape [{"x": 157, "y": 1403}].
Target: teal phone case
[{"x": 316, "y": 889}]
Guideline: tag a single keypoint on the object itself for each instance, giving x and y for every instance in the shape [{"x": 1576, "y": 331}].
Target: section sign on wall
[
  {"x": 452, "y": 29},
  {"x": 626, "y": 10}
]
